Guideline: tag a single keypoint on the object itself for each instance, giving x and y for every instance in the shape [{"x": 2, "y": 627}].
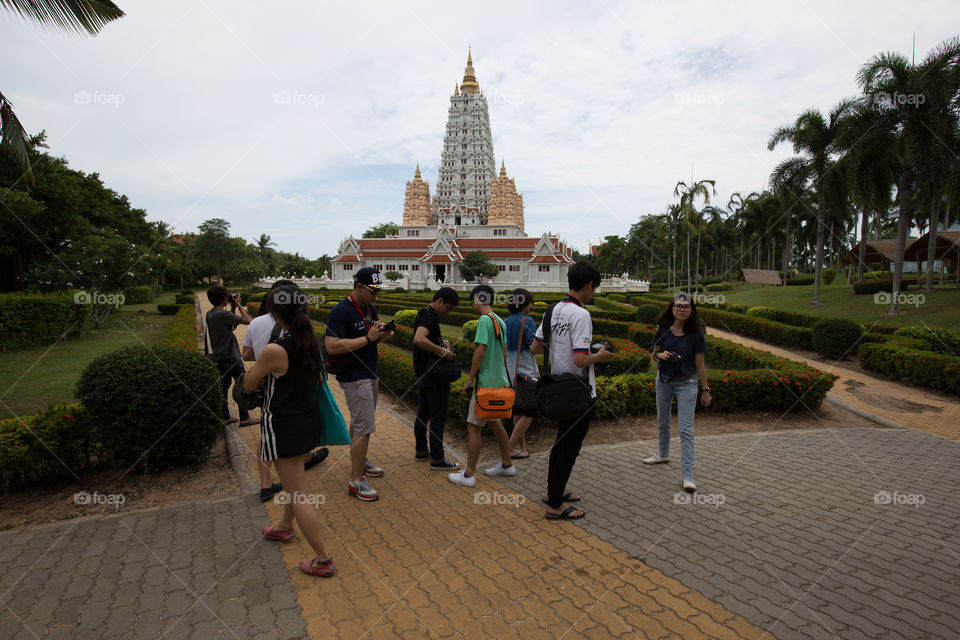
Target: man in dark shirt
[
  {"x": 428, "y": 344},
  {"x": 222, "y": 346},
  {"x": 354, "y": 331}
]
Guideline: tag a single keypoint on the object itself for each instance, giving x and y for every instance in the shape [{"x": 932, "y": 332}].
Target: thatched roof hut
[
  {"x": 760, "y": 276},
  {"x": 882, "y": 251}
]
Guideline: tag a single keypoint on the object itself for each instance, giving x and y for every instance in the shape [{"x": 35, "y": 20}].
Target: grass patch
[
  {"x": 31, "y": 379},
  {"x": 939, "y": 308}
]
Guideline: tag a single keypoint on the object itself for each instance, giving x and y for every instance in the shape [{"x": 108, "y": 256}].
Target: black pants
[
  {"x": 563, "y": 454},
  {"x": 434, "y": 402},
  {"x": 229, "y": 371}
]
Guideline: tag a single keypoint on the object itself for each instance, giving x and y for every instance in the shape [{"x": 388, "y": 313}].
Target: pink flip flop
[
  {"x": 319, "y": 569},
  {"x": 281, "y": 535}
]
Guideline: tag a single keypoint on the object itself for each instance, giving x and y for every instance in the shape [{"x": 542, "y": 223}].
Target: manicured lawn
[
  {"x": 31, "y": 379},
  {"x": 940, "y": 308}
]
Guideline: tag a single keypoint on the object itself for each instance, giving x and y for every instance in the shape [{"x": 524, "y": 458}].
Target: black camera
[
  {"x": 596, "y": 346},
  {"x": 673, "y": 359}
]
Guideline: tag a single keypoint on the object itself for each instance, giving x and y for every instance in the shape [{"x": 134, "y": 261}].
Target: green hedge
[
  {"x": 168, "y": 309},
  {"x": 152, "y": 409},
  {"x": 138, "y": 295},
  {"x": 836, "y": 337},
  {"x": 913, "y": 366},
  {"x": 182, "y": 299},
  {"x": 769, "y": 331},
  {"x": 937, "y": 339},
  {"x": 800, "y": 281},
  {"x": 866, "y": 287},
  {"x": 31, "y": 319},
  {"x": 51, "y": 445},
  {"x": 183, "y": 330}
]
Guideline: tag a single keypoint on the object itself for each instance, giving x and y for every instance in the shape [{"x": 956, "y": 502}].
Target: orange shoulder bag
[{"x": 495, "y": 404}]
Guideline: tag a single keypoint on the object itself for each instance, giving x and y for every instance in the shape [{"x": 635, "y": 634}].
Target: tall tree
[
  {"x": 477, "y": 265},
  {"x": 918, "y": 96},
  {"x": 814, "y": 139},
  {"x": 691, "y": 217},
  {"x": 214, "y": 243},
  {"x": 382, "y": 230}
]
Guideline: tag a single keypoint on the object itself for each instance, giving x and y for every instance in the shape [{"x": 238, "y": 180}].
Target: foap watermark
[
  {"x": 297, "y": 98},
  {"x": 715, "y": 299},
  {"x": 897, "y": 498},
  {"x": 885, "y": 298},
  {"x": 496, "y": 498},
  {"x": 690, "y": 98},
  {"x": 96, "y": 498},
  {"x": 897, "y": 99},
  {"x": 99, "y": 298},
  {"x": 99, "y": 98},
  {"x": 299, "y": 498},
  {"x": 298, "y": 297},
  {"x": 503, "y": 299},
  {"x": 506, "y": 99},
  {"x": 714, "y": 500}
]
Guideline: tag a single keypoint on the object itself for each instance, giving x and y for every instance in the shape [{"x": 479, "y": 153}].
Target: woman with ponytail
[{"x": 290, "y": 370}]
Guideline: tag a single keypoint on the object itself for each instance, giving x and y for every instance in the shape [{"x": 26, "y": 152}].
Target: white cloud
[{"x": 305, "y": 122}]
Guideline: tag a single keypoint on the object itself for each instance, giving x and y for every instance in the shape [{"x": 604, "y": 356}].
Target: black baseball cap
[{"x": 370, "y": 277}]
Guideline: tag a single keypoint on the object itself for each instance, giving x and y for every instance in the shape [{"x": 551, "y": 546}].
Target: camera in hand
[
  {"x": 596, "y": 346},
  {"x": 673, "y": 359}
]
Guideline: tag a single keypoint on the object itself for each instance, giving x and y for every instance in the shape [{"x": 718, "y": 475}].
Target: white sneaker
[
  {"x": 689, "y": 485},
  {"x": 500, "y": 470},
  {"x": 656, "y": 459},
  {"x": 460, "y": 478}
]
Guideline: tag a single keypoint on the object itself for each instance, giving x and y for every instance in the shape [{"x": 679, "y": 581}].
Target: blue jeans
[{"x": 685, "y": 389}]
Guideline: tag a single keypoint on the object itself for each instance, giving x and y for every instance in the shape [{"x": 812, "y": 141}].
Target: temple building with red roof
[{"x": 472, "y": 209}]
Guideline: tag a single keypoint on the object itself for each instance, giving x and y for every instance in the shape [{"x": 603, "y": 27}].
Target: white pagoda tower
[{"x": 467, "y": 165}]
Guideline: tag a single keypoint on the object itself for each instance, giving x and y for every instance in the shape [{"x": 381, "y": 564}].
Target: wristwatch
[{"x": 367, "y": 336}]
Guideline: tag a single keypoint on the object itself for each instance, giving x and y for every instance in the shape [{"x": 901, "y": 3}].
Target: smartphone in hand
[{"x": 390, "y": 326}]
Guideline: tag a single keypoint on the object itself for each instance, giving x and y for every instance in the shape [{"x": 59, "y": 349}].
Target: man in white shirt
[
  {"x": 571, "y": 333},
  {"x": 258, "y": 335}
]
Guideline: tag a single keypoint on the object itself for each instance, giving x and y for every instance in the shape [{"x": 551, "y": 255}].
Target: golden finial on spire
[
  {"x": 503, "y": 168},
  {"x": 469, "y": 84},
  {"x": 416, "y": 176},
  {"x": 456, "y": 89}
]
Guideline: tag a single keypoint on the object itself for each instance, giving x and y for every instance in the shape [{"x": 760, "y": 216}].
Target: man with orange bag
[{"x": 488, "y": 371}]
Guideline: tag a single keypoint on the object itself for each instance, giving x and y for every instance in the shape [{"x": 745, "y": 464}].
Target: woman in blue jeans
[{"x": 678, "y": 347}]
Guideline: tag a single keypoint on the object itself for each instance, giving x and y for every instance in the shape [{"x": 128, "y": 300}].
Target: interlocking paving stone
[
  {"x": 807, "y": 534},
  {"x": 114, "y": 586}
]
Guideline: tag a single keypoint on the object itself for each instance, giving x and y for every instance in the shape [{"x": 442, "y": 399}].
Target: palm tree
[
  {"x": 691, "y": 217},
  {"x": 78, "y": 16},
  {"x": 815, "y": 140},
  {"x": 868, "y": 147},
  {"x": 263, "y": 244},
  {"x": 918, "y": 97},
  {"x": 789, "y": 181}
]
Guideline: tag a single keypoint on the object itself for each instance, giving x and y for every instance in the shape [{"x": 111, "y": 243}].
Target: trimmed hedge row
[
  {"x": 31, "y": 319},
  {"x": 914, "y": 366},
  {"x": 46, "y": 446},
  {"x": 183, "y": 330},
  {"x": 766, "y": 330},
  {"x": 862, "y": 287}
]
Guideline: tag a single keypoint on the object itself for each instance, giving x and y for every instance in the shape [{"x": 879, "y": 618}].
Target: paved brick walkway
[
  {"x": 905, "y": 406},
  {"x": 198, "y": 570},
  {"x": 787, "y": 531}
]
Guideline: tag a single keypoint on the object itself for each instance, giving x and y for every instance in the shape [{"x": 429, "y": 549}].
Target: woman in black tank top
[{"x": 290, "y": 370}]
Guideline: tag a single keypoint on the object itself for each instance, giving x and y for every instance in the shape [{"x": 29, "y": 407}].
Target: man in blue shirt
[{"x": 353, "y": 332}]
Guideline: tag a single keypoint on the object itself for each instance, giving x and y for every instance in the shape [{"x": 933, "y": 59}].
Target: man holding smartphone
[
  {"x": 222, "y": 346},
  {"x": 354, "y": 329}
]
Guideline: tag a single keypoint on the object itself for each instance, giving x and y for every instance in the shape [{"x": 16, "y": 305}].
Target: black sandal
[
  {"x": 567, "y": 497},
  {"x": 565, "y": 515}
]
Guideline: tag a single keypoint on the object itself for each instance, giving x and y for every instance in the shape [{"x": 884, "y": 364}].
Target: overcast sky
[{"x": 303, "y": 120}]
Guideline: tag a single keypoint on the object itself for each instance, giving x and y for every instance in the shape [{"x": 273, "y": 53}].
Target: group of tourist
[{"x": 289, "y": 364}]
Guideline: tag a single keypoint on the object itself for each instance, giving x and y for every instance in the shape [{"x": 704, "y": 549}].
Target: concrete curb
[
  {"x": 865, "y": 414},
  {"x": 236, "y": 448}
]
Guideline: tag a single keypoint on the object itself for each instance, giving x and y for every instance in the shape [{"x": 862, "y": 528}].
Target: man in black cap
[{"x": 353, "y": 332}]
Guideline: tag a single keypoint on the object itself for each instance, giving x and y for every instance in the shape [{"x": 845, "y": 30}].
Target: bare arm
[
  {"x": 336, "y": 346},
  {"x": 273, "y": 359},
  {"x": 586, "y": 359},
  {"x": 478, "y": 353},
  {"x": 536, "y": 347},
  {"x": 247, "y": 354},
  {"x": 705, "y": 397}
]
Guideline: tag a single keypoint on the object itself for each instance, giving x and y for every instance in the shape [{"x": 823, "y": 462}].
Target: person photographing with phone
[
  {"x": 353, "y": 332},
  {"x": 678, "y": 347},
  {"x": 221, "y": 345}
]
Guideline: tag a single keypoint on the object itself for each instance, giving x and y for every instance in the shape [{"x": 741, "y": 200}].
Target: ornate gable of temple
[
  {"x": 506, "y": 205},
  {"x": 416, "y": 203}
]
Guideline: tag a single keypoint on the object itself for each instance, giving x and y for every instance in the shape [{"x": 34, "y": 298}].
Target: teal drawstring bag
[{"x": 333, "y": 428}]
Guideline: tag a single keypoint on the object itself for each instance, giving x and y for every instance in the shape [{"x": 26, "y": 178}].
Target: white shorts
[{"x": 362, "y": 402}]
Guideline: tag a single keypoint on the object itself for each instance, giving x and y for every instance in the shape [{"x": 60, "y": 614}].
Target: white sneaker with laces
[
  {"x": 460, "y": 478},
  {"x": 500, "y": 470},
  {"x": 656, "y": 459},
  {"x": 689, "y": 485}
]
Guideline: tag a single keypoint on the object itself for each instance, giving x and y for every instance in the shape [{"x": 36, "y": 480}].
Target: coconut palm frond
[
  {"x": 13, "y": 138},
  {"x": 75, "y": 16}
]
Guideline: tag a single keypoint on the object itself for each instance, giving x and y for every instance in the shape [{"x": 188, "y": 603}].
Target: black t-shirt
[
  {"x": 427, "y": 317},
  {"x": 687, "y": 345},
  {"x": 346, "y": 322},
  {"x": 223, "y": 343}
]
